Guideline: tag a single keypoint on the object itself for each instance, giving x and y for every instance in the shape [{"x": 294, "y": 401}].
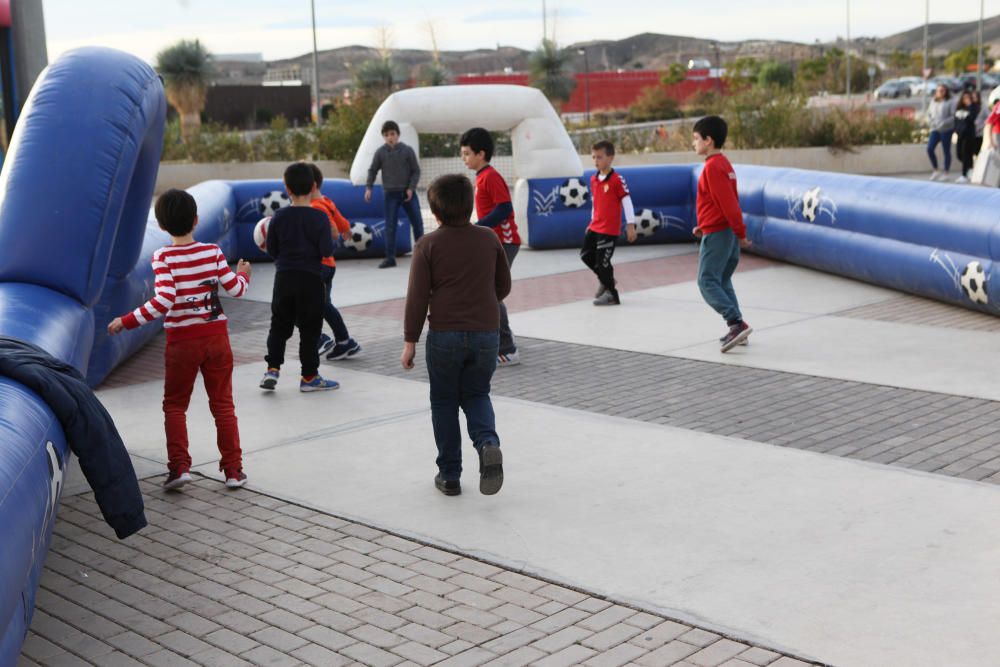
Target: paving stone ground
[{"x": 226, "y": 578}]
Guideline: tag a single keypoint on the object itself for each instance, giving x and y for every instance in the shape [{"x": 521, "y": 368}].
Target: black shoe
[
  {"x": 737, "y": 334},
  {"x": 449, "y": 487},
  {"x": 490, "y": 469},
  {"x": 387, "y": 263}
]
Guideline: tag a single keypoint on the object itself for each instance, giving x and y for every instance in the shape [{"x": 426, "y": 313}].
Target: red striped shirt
[{"x": 188, "y": 278}]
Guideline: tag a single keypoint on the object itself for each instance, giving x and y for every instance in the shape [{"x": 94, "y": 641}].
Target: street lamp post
[
  {"x": 848, "y": 51},
  {"x": 586, "y": 82},
  {"x": 923, "y": 88},
  {"x": 316, "y": 109},
  {"x": 979, "y": 65}
]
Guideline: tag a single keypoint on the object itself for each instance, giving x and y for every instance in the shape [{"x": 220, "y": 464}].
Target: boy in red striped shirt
[{"x": 188, "y": 277}]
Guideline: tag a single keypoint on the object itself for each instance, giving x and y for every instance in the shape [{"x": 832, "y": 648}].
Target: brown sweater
[{"x": 461, "y": 273}]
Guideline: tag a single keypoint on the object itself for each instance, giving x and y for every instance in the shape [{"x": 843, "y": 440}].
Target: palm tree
[
  {"x": 550, "y": 72},
  {"x": 376, "y": 77},
  {"x": 186, "y": 68}
]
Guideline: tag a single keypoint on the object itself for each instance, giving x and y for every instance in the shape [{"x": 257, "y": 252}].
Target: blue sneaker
[
  {"x": 344, "y": 350},
  {"x": 324, "y": 345},
  {"x": 318, "y": 384},
  {"x": 270, "y": 379}
]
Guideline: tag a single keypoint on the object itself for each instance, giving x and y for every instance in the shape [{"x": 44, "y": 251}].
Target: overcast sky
[{"x": 281, "y": 29}]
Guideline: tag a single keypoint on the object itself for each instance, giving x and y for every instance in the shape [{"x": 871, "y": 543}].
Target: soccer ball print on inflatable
[
  {"x": 361, "y": 237},
  {"x": 810, "y": 204},
  {"x": 973, "y": 281},
  {"x": 260, "y": 233},
  {"x": 574, "y": 193},
  {"x": 272, "y": 201},
  {"x": 646, "y": 223}
]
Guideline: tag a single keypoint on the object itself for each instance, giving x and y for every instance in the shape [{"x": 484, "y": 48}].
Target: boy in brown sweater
[{"x": 461, "y": 273}]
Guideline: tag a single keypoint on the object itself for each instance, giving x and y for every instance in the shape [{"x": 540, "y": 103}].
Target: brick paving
[{"x": 223, "y": 578}]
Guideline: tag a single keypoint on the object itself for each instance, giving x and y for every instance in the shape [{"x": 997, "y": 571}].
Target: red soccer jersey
[
  {"x": 607, "y": 197},
  {"x": 718, "y": 204},
  {"x": 491, "y": 190}
]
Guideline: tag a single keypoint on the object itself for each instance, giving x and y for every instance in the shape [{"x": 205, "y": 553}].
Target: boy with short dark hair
[
  {"x": 609, "y": 199},
  {"x": 298, "y": 239},
  {"x": 461, "y": 273},
  {"x": 720, "y": 227},
  {"x": 400, "y": 175},
  {"x": 495, "y": 210},
  {"x": 341, "y": 345},
  {"x": 188, "y": 275}
]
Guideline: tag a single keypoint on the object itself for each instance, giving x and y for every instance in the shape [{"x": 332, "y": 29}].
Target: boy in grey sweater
[{"x": 400, "y": 175}]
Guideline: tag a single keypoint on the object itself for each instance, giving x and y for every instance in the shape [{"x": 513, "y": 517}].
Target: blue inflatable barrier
[
  {"x": 74, "y": 195},
  {"x": 930, "y": 239}
]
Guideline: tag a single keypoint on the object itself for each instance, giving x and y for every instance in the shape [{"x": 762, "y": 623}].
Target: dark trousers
[
  {"x": 297, "y": 302},
  {"x": 212, "y": 356},
  {"x": 942, "y": 137},
  {"x": 596, "y": 254},
  {"x": 330, "y": 312},
  {"x": 393, "y": 200},
  {"x": 507, "y": 344},
  {"x": 717, "y": 260},
  {"x": 460, "y": 365},
  {"x": 966, "y": 151}
]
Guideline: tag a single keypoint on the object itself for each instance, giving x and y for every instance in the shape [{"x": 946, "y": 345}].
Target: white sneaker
[
  {"x": 961, "y": 179},
  {"x": 935, "y": 175},
  {"x": 175, "y": 482},
  {"x": 512, "y": 359}
]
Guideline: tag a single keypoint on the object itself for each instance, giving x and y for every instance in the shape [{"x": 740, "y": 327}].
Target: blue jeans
[
  {"x": 944, "y": 138},
  {"x": 460, "y": 365},
  {"x": 330, "y": 312},
  {"x": 393, "y": 200},
  {"x": 717, "y": 260}
]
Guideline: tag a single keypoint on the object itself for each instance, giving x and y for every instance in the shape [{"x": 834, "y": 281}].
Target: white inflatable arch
[{"x": 541, "y": 147}]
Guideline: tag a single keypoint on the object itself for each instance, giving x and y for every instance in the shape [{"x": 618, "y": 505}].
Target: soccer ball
[
  {"x": 361, "y": 237},
  {"x": 260, "y": 233},
  {"x": 574, "y": 193},
  {"x": 810, "y": 204},
  {"x": 646, "y": 223},
  {"x": 272, "y": 201},
  {"x": 973, "y": 282}
]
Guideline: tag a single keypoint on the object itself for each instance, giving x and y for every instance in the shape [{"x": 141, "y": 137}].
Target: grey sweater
[
  {"x": 941, "y": 114},
  {"x": 400, "y": 170}
]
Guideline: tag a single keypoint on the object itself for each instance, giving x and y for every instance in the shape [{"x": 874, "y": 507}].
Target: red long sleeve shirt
[{"x": 718, "y": 204}]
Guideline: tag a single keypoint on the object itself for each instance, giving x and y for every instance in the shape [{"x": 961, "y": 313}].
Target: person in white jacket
[{"x": 941, "y": 120}]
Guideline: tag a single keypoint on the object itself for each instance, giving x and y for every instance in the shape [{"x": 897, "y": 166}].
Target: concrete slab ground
[{"x": 642, "y": 467}]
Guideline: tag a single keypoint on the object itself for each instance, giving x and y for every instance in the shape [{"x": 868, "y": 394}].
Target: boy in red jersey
[
  {"x": 188, "y": 277},
  {"x": 609, "y": 198},
  {"x": 720, "y": 227},
  {"x": 341, "y": 345},
  {"x": 494, "y": 210}
]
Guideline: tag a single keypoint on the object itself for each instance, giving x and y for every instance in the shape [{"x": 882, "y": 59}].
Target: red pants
[{"x": 214, "y": 358}]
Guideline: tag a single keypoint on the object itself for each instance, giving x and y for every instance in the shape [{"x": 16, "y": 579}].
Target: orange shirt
[{"x": 338, "y": 223}]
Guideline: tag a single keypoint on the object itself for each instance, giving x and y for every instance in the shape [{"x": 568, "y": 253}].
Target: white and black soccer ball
[
  {"x": 647, "y": 222},
  {"x": 973, "y": 281},
  {"x": 574, "y": 193},
  {"x": 360, "y": 238},
  {"x": 810, "y": 204},
  {"x": 272, "y": 201}
]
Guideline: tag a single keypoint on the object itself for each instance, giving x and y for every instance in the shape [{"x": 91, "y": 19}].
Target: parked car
[
  {"x": 970, "y": 80},
  {"x": 892, "y": 89}
]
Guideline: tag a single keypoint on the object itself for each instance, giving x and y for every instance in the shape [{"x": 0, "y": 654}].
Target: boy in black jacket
[{"x": 298, "y": 239}]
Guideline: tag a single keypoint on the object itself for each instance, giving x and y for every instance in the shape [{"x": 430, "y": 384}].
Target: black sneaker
[
  {"x": 387, "y": 263},
  {"x": 608, "y": 299},
  {"x": 344, "y": 350},
  {"x": 490, "y": 469},
  {"x": 449, "y": 487},
  {"x": 737, "y": 334}
]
